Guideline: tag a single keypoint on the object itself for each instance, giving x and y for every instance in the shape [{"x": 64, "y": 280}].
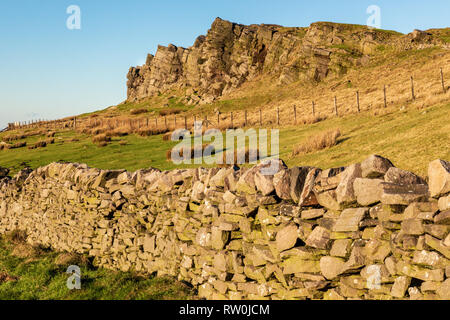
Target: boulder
[
  {"x": 444, "y": 290},
  {"x": 443, "y": 218},
  {"x": 319, "y": 238},
  {"x": 413, "y": 227},
  {"x": 345, "y": 192},
  {"x": 328, "y": 179},
  {"x": 312, "y": 214},
  {"x": 331, "y": 267},
  {"x": 264, "y": 183},
  {"x": 399, "y": 176},
  {"x": 298, "y": 177},
  {"x": 439, "y": 178},
  {"x": 246, "y": 183},
  {"x": 328, "y": 199},
  {"x": 400, "y": 286},
  {"x": 307, "y": 196},
  {"x": 287, "y": 237},
  {"x": 444, "y": 203},
  {"x": 341, "y": 248},
  {"x": 281, "y": 182},
  {"x": 349, "y": 220},
  {"x": 395, "y": 194},
  {"x": 289, "y": 183},
  {"x": 367, "y": 191},
  {"x": 375, "y": 167},
  {"x": 264, "y": 175}
]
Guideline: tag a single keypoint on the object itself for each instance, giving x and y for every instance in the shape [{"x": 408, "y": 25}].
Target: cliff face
[{"x": 231, "y": 54}]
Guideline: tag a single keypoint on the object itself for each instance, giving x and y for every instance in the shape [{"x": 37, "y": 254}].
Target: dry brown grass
[
  {"x": 138, "y": 111},
  {"x": 10, "y": 138},
  {"x": 5, "y": 277},
  {"x": 191, "y": 155},
  {"x": 249, "y": 155},
  {"x": 101, "y": 138},
  {"x": 146, "y": 132},
  {"x": 16, "y": 236},
  {"x": 39, "y": 144},
  {"x": 167, "y": 136},
  {"x": 118, "y": 132},
  {"x": 318, "y": 142},
  {"x": 20, "y": 248},
  {"x": 16, "y": 145},
  {"x": 166, "y": 112},
  {"x": 70, "y": 258},
  {"x": 312, "y": 119}
]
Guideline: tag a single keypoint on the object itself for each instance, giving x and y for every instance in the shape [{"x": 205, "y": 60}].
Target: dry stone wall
[{"x": 366, "y": 231}]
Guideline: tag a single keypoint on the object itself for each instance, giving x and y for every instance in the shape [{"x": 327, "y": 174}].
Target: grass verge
[{"x": 30, "y": 273}]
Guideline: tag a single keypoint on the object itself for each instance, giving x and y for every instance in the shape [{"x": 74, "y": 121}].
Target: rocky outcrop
[
  {"x": 366, "y": 231},
  {"x": 231, "y": 54}
]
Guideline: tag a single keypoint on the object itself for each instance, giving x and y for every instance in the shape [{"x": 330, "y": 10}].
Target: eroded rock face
[{"x": 231, "y": 54}]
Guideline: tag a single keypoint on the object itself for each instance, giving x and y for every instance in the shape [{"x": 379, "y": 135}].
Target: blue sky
[{"x": 48, "y": 71}]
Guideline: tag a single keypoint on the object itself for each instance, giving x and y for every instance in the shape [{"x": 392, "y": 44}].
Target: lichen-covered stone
[
  {"x": 439, "y": 178},
  {"x": 228, "y": 242}
]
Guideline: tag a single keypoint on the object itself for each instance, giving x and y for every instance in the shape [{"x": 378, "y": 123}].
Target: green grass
[
  {"x": 37, "y": 277},
  {"x": 410, "y": 138}
]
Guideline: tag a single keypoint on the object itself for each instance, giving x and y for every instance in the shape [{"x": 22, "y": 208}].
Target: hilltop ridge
[{"x": 232, "y": 54}]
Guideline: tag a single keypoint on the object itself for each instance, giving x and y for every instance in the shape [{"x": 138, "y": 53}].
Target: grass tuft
[{"x": 318, "y": 142}]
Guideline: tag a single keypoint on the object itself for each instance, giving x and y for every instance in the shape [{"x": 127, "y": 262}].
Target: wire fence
[{"x": 294, "y": 115}]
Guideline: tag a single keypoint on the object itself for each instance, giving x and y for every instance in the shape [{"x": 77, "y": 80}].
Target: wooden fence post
[
  {"x": 313, "y": 109},
  {"x": 335, "y": 106},
  {"x": 413, "y": 96},
  {"x": 218, "y": 118},
  {"x": 295, "y": 115},
  {"x": 245, "y": 118},
  {"x": 357, "y": 101},
  {"x": 232, "y": 126},
  {"x": 206, "y": 121},
  {"x": 185, "y": 123},
  {"x": 385, "y": 96},
  {"x": 442, "y": 81},
  {"x": 278, "y": 116},
  {"x": 175, "y": 120}
]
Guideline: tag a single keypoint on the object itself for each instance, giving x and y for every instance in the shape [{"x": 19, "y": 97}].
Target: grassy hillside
[{"x": 411, "y": 137}]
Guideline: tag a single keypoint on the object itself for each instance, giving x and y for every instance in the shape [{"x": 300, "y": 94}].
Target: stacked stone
[{"x": 367, "y": 231}]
